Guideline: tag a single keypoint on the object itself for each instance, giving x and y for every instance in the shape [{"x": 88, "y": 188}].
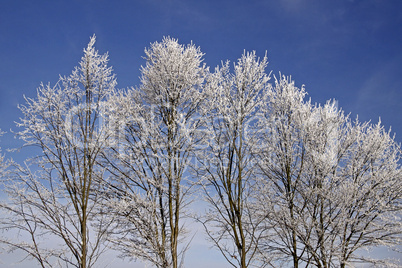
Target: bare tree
[
  {"x": 226, "y": 162},
  {"x": 53, "y": 196},
  {"x": 149, "y": 191}
]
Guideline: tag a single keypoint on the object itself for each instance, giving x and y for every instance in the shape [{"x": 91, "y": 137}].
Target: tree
[
  {"x": 360, "y": 198},
  {"x": 53, "y": 196},
  {"x": 282, "y": 165},
  {"x": 329, "y": 186},
  {"x": 150, "y": 186},
  {"x": 226, "y": 161},
  {"x": 328, "y": 138}
]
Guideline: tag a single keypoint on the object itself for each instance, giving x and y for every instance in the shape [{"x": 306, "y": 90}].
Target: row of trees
[{"x": 286, "y": 182}]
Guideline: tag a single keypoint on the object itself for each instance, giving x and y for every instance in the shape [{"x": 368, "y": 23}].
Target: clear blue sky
[{"x": 350, "y": 50}]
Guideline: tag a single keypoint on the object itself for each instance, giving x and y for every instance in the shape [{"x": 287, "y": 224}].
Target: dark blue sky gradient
[{"x": 347, "y": 50}]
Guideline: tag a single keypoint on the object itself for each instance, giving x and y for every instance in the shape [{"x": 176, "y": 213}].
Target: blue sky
[{"x": 350, "y": 50}]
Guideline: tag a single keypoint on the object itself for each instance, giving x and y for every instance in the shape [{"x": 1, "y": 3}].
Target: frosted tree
[
  {"x": 226, "y": 161},
  {"x": 365, "y": 202},
  {"x": 353, "y": 191},
  {"x": 282, "y": 164},
  {"x": 150, "y": 188},
  {"x": 326, "y": 141},
  {"x": 52, "y": 197},
  {"x": 329, "y": 186}
]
